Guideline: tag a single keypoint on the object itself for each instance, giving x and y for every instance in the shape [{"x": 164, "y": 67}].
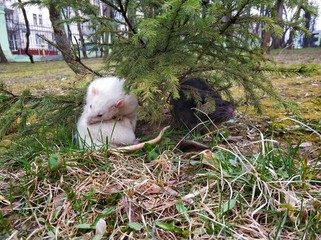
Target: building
[
  {"x": 12, "y": 22},
  {"x": 39, "y": 25}
]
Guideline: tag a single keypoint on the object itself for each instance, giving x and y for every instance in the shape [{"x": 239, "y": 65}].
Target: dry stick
[{"x": 141, "y": 145}]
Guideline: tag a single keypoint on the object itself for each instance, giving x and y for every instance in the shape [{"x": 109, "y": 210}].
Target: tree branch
[
  {"x": 77, "y": 57},
  {"x": 234, "y": 18},
  {"x": 123, "y": 12}
]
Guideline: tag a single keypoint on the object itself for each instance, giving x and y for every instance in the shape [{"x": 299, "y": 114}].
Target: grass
[
  {"x": 263, "y": 185},
  {"x": 15, "y": 73},
  {"x": 214, "y": 194},
  {"x": 43, "y": 76}
]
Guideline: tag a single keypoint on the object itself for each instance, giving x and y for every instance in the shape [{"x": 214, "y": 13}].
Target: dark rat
[{"x": 196, "y": 93}]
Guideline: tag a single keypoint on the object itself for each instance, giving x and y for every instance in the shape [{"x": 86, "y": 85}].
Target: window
[
  {"x": 9, "y": 16},
  {"x": 39, "y": 40},
  {"x": 13, "y": 42},
  {"x": 40, "y": 19},
  {"x": 35, "y": 19},
  {"x": 10, "y": 21}
]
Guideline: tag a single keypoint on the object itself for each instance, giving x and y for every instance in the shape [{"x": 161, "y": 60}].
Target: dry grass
[
  {"x": 251, "y": 185},
  {"x": 218, "y": 194}
]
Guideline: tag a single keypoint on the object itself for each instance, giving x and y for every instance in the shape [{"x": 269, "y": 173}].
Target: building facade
[{"x": 40, "y": 25}]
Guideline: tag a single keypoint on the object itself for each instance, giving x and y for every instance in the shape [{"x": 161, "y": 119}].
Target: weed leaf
[
  {"x": 182, "y": 210},
  {"x": 53, "y": 162},
  {"x": 228, "y": 205},
  {"x": 108, "y": 211},
  {"x": 169, "y": 227},
  {"x": 135, "y": 226}
]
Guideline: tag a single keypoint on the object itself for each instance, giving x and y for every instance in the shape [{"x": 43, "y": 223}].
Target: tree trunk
[
  {"x": 3, "y": 58},
  {"x": 290, "y": 42},
  {"x": 277, "y": 14},
  {"x": 63, "y": 44},
  {"x": 259, "y": 26},
  {"x": 266, "y": 42},
  {"x": 27, "y": 31},
  {"x": 265, "y": 34},
  {"x": 296, "y": 17},
  {"x": 66, "y": 15},
  {"x": 306, "y": 39},
  {"x": 104, "y": 48},
  {"x": 81, "y": 37}
]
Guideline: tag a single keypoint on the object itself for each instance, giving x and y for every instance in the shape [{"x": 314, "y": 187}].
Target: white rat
[
  {"x": 117, "y": 133},
  {"x": 106, "y": 99},
  {"x": 110, "y": 115},
  {"x": 114, "y": 132}
]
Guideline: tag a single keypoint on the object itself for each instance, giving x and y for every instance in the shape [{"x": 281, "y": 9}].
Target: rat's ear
[
  {"x": 94, "y": 91},
  {"x": 120, "y": 103}
]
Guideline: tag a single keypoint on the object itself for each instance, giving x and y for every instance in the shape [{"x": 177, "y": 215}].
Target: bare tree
[{"x": 27, "y": 30}]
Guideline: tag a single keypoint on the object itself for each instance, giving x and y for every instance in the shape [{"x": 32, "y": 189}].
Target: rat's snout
[
  {"x": 90, "y": 120},
  {"x": 97, "y": 118}
]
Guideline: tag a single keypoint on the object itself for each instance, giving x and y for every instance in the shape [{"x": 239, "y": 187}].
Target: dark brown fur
[{"x": 196, "y": 92}]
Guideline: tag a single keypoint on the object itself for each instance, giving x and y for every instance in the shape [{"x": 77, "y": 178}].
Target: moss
[{"x": 305, "y": 92}]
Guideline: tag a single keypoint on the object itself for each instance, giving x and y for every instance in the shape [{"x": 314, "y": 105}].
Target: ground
[{"x": 260, "y": 179}]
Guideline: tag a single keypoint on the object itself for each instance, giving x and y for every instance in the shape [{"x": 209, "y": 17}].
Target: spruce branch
[
  {"x": 172, "y": 25},
  {"x": 234, "y": 19},
  {"x": 290, "y": 71},
  {"x": 25, "y": 115}
]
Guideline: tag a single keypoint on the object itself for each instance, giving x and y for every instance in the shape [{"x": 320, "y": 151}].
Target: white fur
[
  {"x": 103, "y": 96},
  {"x": 109, "y": 115},
  {"x": 117, "y": 133}
]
